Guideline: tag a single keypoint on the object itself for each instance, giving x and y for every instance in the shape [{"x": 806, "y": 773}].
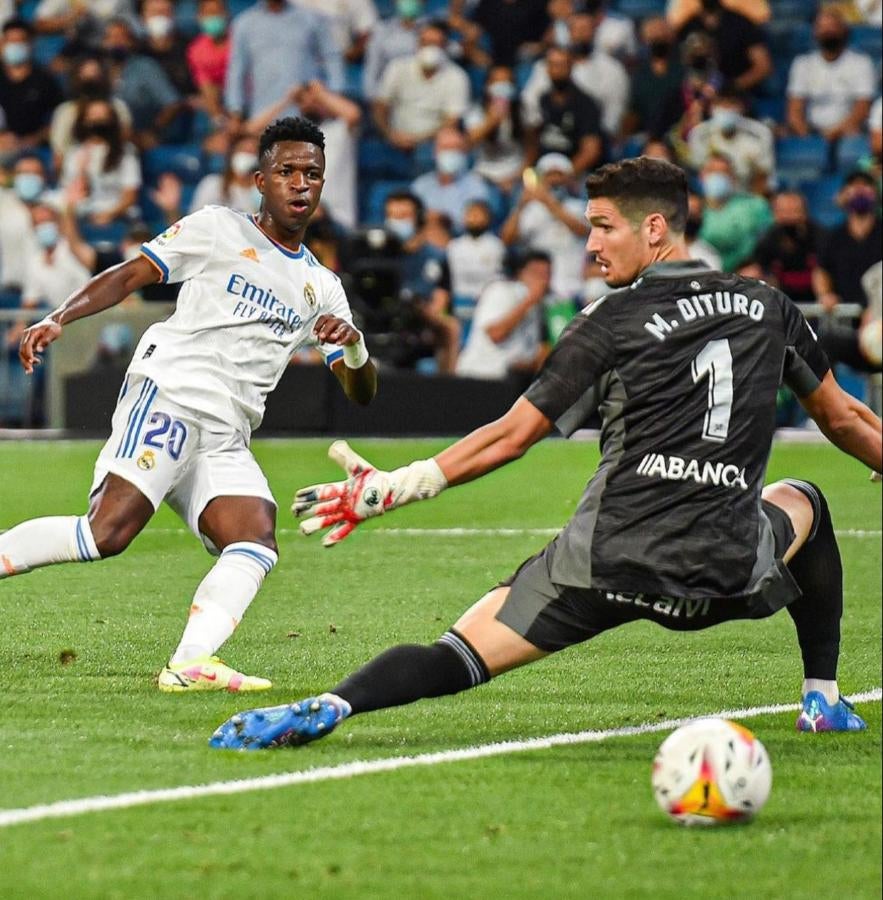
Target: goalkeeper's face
[
  {"x": 621, "y": 246},
  {"x": 290, "y": 179}
]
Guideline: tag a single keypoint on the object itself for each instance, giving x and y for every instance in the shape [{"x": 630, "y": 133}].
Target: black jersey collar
[{"x": 682, "y": 268}]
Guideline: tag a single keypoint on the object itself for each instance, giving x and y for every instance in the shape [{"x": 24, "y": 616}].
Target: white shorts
[{"x": 169, "y": 453}]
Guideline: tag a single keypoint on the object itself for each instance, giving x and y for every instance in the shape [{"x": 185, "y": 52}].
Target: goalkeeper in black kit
[{"x": 682, "y": 363}]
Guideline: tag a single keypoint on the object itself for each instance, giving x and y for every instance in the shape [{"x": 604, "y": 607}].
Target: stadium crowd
[{"x": 458, "y": 138}]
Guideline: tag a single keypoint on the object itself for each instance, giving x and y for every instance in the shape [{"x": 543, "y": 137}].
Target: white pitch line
[
  {"x": 478, "y": 532},
  {"x": 67, "y": 808}
]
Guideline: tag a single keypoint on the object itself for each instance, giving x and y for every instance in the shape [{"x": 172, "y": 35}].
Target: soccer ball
[{"x": 711, "y": 772}]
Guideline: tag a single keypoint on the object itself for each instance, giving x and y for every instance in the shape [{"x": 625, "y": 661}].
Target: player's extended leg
[
  {"x": 117, "y": 513},
  {"x": 474, "y": 650},
  {"x": 243, "y": 530},
  {"x": 814, "y": 561}
]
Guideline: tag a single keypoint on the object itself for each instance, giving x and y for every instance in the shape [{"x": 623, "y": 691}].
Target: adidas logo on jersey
[
  {"x": 250, "y": 253},
  {"x": 676, "y": 468}
]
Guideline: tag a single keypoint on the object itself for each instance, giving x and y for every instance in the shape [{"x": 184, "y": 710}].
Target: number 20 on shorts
[{"x": 169, "y": 435}]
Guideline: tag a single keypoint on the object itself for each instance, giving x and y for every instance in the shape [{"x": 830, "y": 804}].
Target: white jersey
[{"x": 246, "y": 305}]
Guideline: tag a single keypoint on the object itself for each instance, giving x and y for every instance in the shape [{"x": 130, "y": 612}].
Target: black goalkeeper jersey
[{"x": 683, "y": 367}]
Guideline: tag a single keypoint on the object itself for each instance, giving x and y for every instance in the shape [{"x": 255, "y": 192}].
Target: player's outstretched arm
[
  {"x": 369, "y": 492},
  {"x": 846, "y": 422},
  {"x": 106, "y": 289}
]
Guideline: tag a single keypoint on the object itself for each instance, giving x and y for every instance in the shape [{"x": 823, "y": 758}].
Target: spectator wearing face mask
[
  {"x": 452, "y": 186},
  {"x": 743, "y": 55},
  {"x": 28, "y": 93},
  {"x": 425, "y": 282},
  {"x": 89, "y": 81},
  {"x": 748, "y": 144},
  {"x": 789, "y": 250},
  {"x": 493, "y": 127},
  {"x": 234, "y": 187},
  {"x": 733, "y": 221},
  {"x": 16, "y": 225},
  {"x": 595, "y": 73},
  {"x": 548, "y": 217},
  {"x": 208, "y": 56},
  {"x": 696, "y": 247},
  {"x": 165, "y": 45},
  {"x": 853, "y": 248},
  {"x": 830, "y": 91},
  {"x": 655, "y": 101},
  {"x": 391, "y": 39},
  {"x": 101, "y": 168},
  {"x": 569, "y": 119},
  {"x": 52, "y": 271},
  {"x": 420, "y": 94},
  {"x": 474, "y": 259}
]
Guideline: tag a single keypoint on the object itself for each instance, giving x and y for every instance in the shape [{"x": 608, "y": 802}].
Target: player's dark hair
[
  {"x": 291, "y": 128},
  {"x": 643, "y": 186}
]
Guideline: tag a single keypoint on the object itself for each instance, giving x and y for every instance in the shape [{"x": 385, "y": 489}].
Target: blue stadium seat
[
  {"x": 10, "y": 299},
  {"x": 374, "y": 197},
  {"x": 801, "y": 158},
  {"x": 628, "y": 148},
  {"x": 787, "y": 38},
  {"x": 821, "y": 198},
  {"x": 852, "y": 149},
  {"x": 378, "y": 160},
  {"x": 769, "y": 109},
  {"x": 27, "y": 9},
  {"x": 47, "y": 47},
  {"x": 185, "y": 160},
  {"x": 639, "y": 9},
  {"x": 867, "y": 39},
  {"x": 792, "y": 11}
]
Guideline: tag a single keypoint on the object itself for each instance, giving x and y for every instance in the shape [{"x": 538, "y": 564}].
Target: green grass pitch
[{"x": 80, "y": 646}]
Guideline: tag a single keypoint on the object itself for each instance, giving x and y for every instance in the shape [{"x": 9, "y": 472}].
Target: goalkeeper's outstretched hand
[{"x": 342, "y": 505}]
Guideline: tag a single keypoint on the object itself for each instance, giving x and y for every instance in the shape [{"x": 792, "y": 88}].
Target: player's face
[
  {"x": 618, "y": 247},
  {"x": 290, "y": 178}
]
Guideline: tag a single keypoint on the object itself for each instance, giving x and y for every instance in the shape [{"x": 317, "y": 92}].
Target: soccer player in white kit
[{"x": 252, "y": 295}]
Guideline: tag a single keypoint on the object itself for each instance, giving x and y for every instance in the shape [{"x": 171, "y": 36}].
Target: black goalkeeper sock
[
  {"x": 817, "y": 569},
  {"x": 410, "y": 672}
]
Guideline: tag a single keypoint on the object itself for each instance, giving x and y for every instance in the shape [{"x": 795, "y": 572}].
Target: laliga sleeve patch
[{"x": 169, "y": 234}]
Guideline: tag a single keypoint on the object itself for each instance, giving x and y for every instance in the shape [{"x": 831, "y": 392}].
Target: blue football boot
[
  {"x": 281, "y": 726},
  {"x": 818, "y": 715}
]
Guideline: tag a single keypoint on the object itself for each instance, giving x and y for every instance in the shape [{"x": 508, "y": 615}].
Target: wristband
[{"x": 356, "y": 355}]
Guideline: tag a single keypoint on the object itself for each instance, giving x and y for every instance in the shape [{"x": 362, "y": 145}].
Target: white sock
[
  {"x": 46, "y": 542},
  {"x": 223, "y": 597},
  {"x": 828, "y": 689}
]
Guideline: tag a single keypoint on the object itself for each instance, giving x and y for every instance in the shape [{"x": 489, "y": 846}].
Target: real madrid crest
[
  {"x": 310, "y": 295},
  {"x": 146, "y": 461}
]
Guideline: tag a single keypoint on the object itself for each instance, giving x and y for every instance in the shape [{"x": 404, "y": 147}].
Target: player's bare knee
[
  {"x": 796, "y": 506},
  {"x": 112, "y": 537}
]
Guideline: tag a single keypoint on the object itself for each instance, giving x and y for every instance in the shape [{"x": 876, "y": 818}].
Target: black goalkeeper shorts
[{"x": 552, "y": 616}]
